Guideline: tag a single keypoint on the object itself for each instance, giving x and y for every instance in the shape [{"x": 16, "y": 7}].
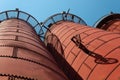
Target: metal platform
[
  {"x": 64, "y": 16},
  {"x": 41, "y": 27},
  {"x": 17, "y": 14}
]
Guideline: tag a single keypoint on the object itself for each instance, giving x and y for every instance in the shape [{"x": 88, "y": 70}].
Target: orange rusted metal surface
[
  {"x": 113, "y": 26},
  {"x": 110, "y": 22},
  {"x": 23, "y": 55},
  {"x": 93, "y": 53}
]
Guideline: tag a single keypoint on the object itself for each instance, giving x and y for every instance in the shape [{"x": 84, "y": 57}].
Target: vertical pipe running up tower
[
  {"x": 93, "y": 53},
  {"x": 23, "y": 55}
]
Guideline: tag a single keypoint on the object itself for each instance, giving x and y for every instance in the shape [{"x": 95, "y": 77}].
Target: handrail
[{"x": 60, "y": 17}]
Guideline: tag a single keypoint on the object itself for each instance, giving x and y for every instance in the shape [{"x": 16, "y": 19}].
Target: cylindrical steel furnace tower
[
  {"x": 23, "y": 55},
  {"x": 110, "y": 22},
  {"x": 93, "y": 53}
]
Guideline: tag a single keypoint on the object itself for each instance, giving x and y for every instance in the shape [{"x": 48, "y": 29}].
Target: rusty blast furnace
[{"x": 62, "y": 47}]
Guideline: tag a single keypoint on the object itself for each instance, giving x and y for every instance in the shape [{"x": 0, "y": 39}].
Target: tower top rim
[
  {"x": 17, "y": 14},
  {"x": 21, "y": 15},
  {"x": 64, "y": 16},
  {"x": 107, "y": 18}
]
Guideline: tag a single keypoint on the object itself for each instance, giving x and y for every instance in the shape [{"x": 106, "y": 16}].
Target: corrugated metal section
[{"x": 23, "y": 55}]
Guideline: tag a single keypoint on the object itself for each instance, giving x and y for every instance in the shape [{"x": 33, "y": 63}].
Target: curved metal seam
[
  {"x": 27, "y": 43},
  {"x": 18, "y": 36},
  {"x": 35, "y": 63},
  {"x": 16, "y": 76},
  {"x": 98, "y": 64},
  {"x": 29, "y": 50},
  {"x": 31, "y": 35},
  {"x": 95, "y": 48},
  {"x": 112, "y": 71}
]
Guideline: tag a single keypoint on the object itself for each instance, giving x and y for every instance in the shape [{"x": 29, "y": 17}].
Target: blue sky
[{"x": 89, "y": 10}]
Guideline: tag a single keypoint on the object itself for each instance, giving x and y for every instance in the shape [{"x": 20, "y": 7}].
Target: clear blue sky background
[{"x": 89, "y": 10}]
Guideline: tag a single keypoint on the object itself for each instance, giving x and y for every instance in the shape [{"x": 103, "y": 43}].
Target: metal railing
[
  {"x": 17, "y": 14},
  {"x": 41, "y": 27},
  {"x": 60, "y": 17}
]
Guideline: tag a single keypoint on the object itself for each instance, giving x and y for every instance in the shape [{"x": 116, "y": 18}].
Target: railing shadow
[
  {"x": 62, "y": 63},
  {"x": 98, "y": 58}
]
